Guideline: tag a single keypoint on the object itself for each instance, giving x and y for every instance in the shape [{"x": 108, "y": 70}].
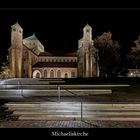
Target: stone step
[
  {"x": 52, "y": 112},
  {"x": 65, "y": 112},
  {"x": 78, "y": 117},
  {"x": 49, "y": 117},
  {"x": 72, "y": 104},
  {"x": 44, "y": 89},
  {"x": 44, "y": 93},
  {"x": 22, "y": 83},
  {"x": 45, "y": 108},
  {"x": 28, "y": 80},
  {"x": 72, "y": 111},
  {"x": 71, "y": 107},
  {"x": 43, "y": 105}
]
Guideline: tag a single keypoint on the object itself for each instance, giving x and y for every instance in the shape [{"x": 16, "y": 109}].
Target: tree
[
  {"x": 109, "y": 57},
  {"x": 134, "y": 55},
  {"x": 4, "y": 70},
  {"x": 1, "y": 65}
]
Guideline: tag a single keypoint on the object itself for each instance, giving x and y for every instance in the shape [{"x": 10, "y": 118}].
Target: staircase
[
  {"x": 20, "y": 88},
  {"x": 65, "y": 111}
]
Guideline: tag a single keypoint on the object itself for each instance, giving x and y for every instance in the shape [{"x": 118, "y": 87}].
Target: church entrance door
[{"x": 66, "y": 75}]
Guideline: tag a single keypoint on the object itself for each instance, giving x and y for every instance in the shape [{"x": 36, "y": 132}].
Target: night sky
[{"x": 60, "y": 29}]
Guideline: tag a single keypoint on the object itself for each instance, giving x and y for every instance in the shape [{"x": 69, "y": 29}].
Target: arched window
[
  {"x": 45, "y": 73},
  {"x": 20, "y": 31},
  {"x": 58, "y": 74},
  {"x": 73, "y": 74},
  {"x": 66, "y": 75},
  {"x": 14, "y": 29},
  {"x": 51, "y": 74}
]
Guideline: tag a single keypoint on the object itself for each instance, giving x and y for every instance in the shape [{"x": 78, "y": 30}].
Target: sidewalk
[
  {"x": 46, "y": 124},
  {"x": 69, "y": 124}
]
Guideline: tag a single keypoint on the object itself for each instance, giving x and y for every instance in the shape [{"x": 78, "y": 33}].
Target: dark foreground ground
[
  {"x": 120, "y": 95},
  {"x": 13, "y": 122}
]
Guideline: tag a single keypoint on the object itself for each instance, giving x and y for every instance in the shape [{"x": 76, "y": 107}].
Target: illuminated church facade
[{"x": 28, "y": 58}]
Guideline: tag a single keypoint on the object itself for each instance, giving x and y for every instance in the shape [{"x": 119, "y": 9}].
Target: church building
[{"x": 28, "y": 58}]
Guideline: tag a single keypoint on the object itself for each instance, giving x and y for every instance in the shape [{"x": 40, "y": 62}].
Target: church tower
[
  {"x": 87, "y": 55},
  {"x": 87, "y": 33},
  {"x": 16, "y": 50}
]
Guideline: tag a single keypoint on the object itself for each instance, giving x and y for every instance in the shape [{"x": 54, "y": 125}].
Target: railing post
[
  {"x": 18, "y": 85},
  {"x": 58, "y": 93},
  {"x": 20, "y": 88},
  {"x": 81, "y": 110},
  {"x": 5, "y": 84}
]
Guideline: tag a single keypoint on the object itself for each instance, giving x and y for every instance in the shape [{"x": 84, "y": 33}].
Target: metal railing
[{"x": 81, "y": 101}]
